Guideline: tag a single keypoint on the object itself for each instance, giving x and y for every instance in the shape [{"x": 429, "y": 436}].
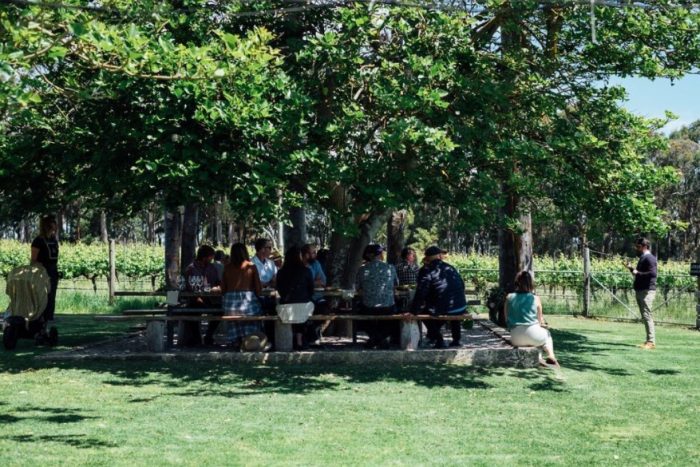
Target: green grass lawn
[{"x": 615, "y": 404}]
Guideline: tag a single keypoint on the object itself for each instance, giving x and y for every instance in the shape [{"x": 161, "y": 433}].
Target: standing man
[
  {"x": 440, "y": 290},
  {"x": 645, "y": 287}
]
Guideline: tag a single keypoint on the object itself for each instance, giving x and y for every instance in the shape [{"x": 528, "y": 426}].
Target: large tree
[{"x": 358, "y": 110}]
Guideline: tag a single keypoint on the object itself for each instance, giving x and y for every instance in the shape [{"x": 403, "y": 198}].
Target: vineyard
[
  {"x": 85, "y": 269},
  {"x": 139, "y": 262}
]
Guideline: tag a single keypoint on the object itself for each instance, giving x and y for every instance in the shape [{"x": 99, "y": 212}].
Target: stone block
[
  {"x": 284, "y": 337},
  {"x": 155, "y": 336}
]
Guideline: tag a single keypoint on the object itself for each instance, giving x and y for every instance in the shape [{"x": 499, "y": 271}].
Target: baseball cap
[
  {"x": 373, "y": 249},
  {"x": 434, "y": 250}
]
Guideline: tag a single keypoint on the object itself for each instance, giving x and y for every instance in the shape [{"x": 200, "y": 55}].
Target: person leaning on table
[
  {"x": 525, "y": 319},
  {"x": 440, "y": 291}
]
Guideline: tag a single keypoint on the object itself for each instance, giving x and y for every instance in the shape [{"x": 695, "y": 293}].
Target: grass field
[{"x": 614, "y": 404}]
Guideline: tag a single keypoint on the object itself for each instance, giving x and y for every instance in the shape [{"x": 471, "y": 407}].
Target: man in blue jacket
[
  {"x": 645, "y": 288},
  {"x": 440, "y": 291}
]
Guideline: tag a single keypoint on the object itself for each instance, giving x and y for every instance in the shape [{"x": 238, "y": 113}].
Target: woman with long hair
[
  {"x": 295, "y": 284},
  {"x": 45, "y": 251},
  {"x": 524, "y": 317},
  {"x": 240, "y": 289}
]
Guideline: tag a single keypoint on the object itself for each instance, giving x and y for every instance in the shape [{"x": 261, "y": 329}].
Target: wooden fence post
[
  {"x": 112, "y": 271},
  {"x": 586, "y": 281},
  {"x": 697, "y": 296}
]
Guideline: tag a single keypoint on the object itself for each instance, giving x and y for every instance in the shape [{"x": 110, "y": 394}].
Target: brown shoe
[{"x": 648, "y": 346}]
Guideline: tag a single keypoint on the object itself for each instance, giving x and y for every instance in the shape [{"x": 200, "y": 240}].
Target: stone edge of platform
[
  {"x": 494, "y": 357},
  {"x": 503, "y": 357}
]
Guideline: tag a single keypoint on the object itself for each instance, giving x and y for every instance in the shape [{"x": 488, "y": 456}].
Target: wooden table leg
[{"x": 171, "y": 334}]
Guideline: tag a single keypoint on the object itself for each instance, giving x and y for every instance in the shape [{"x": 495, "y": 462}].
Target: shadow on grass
[
  {"x": 77, "y": 440},
  {"x": 234, "y": 381},
  {"x": 663, "y": 372},
  {"x": 577, "y": 352},
  {"x": 47, "y": 414},
  {"x": 223, "y": 380}
]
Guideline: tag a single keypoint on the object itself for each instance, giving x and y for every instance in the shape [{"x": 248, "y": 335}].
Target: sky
[{"x": 651, "y": 98}]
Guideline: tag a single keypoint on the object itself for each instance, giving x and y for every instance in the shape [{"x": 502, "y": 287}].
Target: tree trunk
[
  {"x": 190, "y": 224},
  {"x": 337, "y": 258},
  {"x": 22, "y": 232},
  {"x": 395, "y": 235},
  {"x": 104, "y": 236},
  {"x": 172, "y": 224},
  {"x": 60, "y": 217},
  {"x": 368, "y": 229},
  {"x": 150, "y": 227},
  {"x": 295, "y": 234},
  {"x": 218, "y": 224},
  {"x": 231, "y": 233},
  {"x": 515, "y": 252},
  {"x": 77, "y": 220}
]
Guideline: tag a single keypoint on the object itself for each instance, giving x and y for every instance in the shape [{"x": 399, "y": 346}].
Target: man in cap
[
  {"x": 377, "y": 281},
  {"x": 440, "y": 291}
]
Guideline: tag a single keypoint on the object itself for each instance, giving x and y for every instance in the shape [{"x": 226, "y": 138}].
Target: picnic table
[{"x": 161, "y": 323}]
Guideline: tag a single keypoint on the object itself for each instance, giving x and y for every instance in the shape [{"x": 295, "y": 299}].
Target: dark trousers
[
  {"x": 378, "y": 331},
  {"x": 51, "y": 303},
  {"x": 268, "y": 305},
  {"x": 191, "y": 330},
  {"x": 212, "y": 326},
  {"x": 435, "y": 329}
]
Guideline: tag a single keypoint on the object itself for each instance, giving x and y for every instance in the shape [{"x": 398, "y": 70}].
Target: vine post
[
  {"x": 697, "y": 297},
  {"x": 111, "y": 283},
  {"x": 586, "y": 281}
]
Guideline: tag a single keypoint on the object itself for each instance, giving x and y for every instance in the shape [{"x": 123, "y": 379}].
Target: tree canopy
[{"x": 357, "y": 109}]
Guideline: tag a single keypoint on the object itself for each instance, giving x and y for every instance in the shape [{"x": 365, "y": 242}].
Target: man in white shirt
[{"x": 266, "y": 267}]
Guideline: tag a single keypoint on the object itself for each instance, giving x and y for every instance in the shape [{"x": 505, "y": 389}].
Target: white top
[{"x": 267, "y": 270}]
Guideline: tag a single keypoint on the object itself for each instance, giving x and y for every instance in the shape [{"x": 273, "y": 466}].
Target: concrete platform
[{"x": 483, "y": 346}]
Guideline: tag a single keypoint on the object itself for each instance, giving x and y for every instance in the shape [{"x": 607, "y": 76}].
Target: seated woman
[
  {"x": 523, "y": 311},
  {"x": 295, "y": 284},
  {"x": 240, "y": 289}
]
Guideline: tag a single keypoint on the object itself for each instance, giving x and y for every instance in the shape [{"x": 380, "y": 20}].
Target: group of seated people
[
  {"x": 241, "y": 280},
  {"x": 439, "y": 289}
]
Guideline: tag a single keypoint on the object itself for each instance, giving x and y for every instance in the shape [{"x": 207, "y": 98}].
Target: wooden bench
[
  {"x": 160, "y": 329},
  {"x": 145, "y": 312}
]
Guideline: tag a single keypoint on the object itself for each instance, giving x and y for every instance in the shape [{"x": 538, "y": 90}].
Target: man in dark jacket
[
  {"x": 440, "y": 291},
  {"x": 645, "y": 287}
]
